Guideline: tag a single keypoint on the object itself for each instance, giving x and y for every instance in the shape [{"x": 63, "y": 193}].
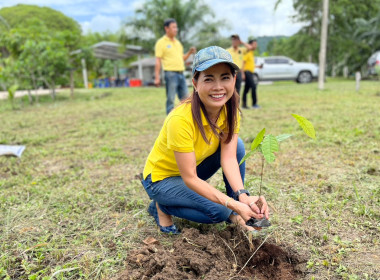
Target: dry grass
[{"x": 73, "y": 205}]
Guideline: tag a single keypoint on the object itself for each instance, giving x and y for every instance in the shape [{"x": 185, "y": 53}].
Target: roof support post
[
  {"x": 140, "y": 67},
  {"x": 84, "y": 71}
]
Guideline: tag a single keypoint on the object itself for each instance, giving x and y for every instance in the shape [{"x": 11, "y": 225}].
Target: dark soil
[{"x": 206, "y": 256}]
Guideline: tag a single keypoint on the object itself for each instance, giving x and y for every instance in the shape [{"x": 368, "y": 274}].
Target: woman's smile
[{"x": 217, "y": 97}]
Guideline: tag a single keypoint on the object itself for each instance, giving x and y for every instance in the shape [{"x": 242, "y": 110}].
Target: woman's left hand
[{"x": 251, "y": 202}]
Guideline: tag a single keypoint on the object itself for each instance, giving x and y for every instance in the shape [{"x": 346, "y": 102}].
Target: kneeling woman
[{"x": 197, "y": 138}]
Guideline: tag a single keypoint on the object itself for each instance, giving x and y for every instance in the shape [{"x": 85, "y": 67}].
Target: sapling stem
[
  {"x": 261, "y": 175},
  {"x": 259, "y": 203}
]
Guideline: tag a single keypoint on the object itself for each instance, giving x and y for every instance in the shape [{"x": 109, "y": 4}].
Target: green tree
[
  {"x": 19, "y": 16},
  {"x": 300, "y": 47},
  {"x": 195, "y": 20},
  {"x": 368, "y": 30},
  {"x": 35, "y": 56},
  {"x": 4, "y": 24},
  {"x": 343, "y": 48}
]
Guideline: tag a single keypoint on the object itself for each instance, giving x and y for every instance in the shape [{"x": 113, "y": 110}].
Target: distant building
[{"x": 148, "y": 65}]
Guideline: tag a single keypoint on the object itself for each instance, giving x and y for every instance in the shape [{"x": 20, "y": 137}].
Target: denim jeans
[
  {"x": 175, "y": 83},
  {"x": 175, "y": 198}
]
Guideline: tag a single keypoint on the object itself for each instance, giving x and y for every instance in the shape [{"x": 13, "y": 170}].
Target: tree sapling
[{"x": 267, "y": 145}]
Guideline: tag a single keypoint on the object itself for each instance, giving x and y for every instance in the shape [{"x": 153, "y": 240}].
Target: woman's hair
[{"x": 232, "y": 106}]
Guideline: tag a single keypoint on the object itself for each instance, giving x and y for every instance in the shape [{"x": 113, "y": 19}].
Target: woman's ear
[{"x": 194, "y": 84}]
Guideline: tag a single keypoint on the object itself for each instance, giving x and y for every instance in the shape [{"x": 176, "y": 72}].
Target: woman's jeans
[{"x": 175, "y": 198}]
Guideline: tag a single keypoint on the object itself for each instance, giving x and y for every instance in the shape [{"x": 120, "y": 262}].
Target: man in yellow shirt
[
  {"x": 237, "y": 54},
  {"x": 169, "y": 53},
  {"x": 249, "y": 69}
]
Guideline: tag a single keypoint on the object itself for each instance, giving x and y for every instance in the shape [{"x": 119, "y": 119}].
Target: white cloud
[
  {"x": 8, "y": 3},
  {"x": 80, "y": 7},
  {"x": 137, "y": 4},
  {"x": 245, "y": 17},
  {"x": 255, "y": 17},
  {"x": 101, "y": 23},
  {"x": 117, "y": 6}
]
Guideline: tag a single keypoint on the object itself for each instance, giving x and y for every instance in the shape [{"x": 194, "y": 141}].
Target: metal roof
[
  {"x": 112, "y": 50},
  {"x": 151, "y": 61},
  {"x": 148, "y": 61}
]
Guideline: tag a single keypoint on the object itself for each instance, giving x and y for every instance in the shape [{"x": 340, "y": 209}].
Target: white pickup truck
[{"x": 274, "y": 68}]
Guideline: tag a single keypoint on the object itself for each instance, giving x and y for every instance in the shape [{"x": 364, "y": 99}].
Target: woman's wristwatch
[{"x": 239, "y": 192}]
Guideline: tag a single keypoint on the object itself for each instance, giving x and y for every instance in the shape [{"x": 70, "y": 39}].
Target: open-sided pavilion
[{"x": 113, "y": 51}]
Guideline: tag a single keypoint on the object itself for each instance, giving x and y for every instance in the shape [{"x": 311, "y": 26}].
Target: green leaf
[
  {"x": 283, "y": 137},
  {"x": 306, "y": 125},
  {"x": 247, "y": 155},
  {"x": 268, "y": 147},
  {"x": 12, "y": 91},
  {"x": 258, "y": 139}
]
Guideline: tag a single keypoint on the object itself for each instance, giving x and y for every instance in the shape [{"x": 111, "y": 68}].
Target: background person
[
  {"x": 169, "y": 51},
  {"x": 237, "y": 52},
  {"x": 199, "y": 137},
  {"x": 249, "y": 69}
]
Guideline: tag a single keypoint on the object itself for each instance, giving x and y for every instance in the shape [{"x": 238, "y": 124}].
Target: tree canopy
[
  {"x": 20, "y": 16},
  {"x": 195, "y": 21},
  {"x": 352, "y": 34},
  {"x": 36, "y": 56}
]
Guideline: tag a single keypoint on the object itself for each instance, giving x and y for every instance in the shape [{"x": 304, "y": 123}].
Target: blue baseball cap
[{"x": 211, "y": 56}]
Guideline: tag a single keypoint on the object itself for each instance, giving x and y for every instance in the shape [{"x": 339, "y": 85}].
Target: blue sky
[{"x": 245, "y": 17}]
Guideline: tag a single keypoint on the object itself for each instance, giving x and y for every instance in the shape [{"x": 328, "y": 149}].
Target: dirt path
[{"x": 20, "y": 93}]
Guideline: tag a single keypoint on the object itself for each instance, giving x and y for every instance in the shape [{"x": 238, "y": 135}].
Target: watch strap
[{"x": 239, "y": 192}]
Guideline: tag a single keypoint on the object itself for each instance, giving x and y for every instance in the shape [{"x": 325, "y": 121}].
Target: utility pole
[{"x": 322, "y": 50}]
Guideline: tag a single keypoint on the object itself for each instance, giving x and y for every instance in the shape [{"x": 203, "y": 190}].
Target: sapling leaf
[
  {"x": 258, "y": 139},
  {"x": 283, "y": 137},
  {"x": 306, "y": 125},
  {"x": 247, "y": 155},
  {"x": 268, "y": 147}
]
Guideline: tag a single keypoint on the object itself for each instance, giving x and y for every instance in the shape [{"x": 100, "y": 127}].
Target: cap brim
[{"x": 205, "y": 65}]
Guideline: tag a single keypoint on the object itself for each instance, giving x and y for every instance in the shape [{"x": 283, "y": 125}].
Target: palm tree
[
  {"x": 195, "y": 21},
  {"x": 369, "y": 31}
]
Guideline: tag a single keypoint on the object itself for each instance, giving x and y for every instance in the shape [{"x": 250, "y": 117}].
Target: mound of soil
[{"x": 213, "y": 255}]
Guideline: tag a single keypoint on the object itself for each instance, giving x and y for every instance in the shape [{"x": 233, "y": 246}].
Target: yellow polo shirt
[
  {"x": 171, "y": 54},
  {"x": 238, "y": 55},
  {"x": 249, "y": 60},
  {"x": 179, "y": 133}
]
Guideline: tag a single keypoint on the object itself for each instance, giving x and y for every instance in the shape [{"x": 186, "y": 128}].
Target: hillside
[{"x": 263, "y": 42}]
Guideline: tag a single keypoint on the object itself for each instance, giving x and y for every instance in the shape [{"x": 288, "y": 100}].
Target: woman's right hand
[{"x": 246, "y": 212}]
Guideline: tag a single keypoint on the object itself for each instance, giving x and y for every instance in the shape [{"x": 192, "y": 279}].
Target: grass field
[{"x": 72, "y": 207}]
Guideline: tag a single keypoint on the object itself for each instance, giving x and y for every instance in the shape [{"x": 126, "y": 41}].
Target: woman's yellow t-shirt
[{"x": 179, "y": 133}]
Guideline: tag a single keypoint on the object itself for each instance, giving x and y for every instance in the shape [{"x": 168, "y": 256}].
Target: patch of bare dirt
[{"x": 214, "y": 255}]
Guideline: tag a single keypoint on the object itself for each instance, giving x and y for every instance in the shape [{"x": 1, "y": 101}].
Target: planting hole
[{"x": 213, "y": 255}]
